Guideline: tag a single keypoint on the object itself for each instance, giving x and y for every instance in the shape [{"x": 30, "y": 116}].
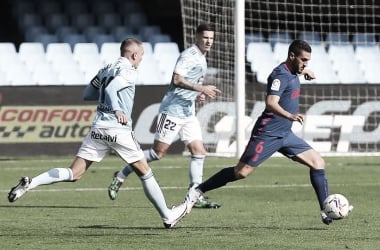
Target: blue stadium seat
[
  {"x": 29, "y": 20},
  {"x": 279, "y": 37},
  {"x": 72, "y": 8},
  {"x": 73, "y": 39},
  {"x": 135, "y": 21},
  {"x": 149, "y": 30},
  {"x": 367, "y": 39},
  {"x": 48, "y": 7},
  {"x": 99, "y": 39},
  {"x": 99, "y": 7},
  {"x": 128, "y": 7},
  {"x": 310, "y": 37},
  {"x": 45, "y": 39},
  {"x": 121, "y": 32},
  {"x": 63, "y": 31},
  {"x": 82, "y": 20},
  {"x": 254, "y": 37},
  {"x": 91, "y": 31},
  {"x": 56, "y": 20},
  {"x": 109, "y": 20},
  {"x": 159, "y": 38},
  {"x": 22, "y": 7},
  {"x": 31, "y": 33},
  {"x": 337, "y": 38}
]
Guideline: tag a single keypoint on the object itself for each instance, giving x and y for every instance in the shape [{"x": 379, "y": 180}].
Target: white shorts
[
  {"x": 99, "y": 142},
  {"x": 168, "y": 127}
]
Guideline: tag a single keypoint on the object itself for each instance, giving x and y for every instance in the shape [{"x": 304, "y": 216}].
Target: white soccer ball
[{"x": 336, "y": 206}]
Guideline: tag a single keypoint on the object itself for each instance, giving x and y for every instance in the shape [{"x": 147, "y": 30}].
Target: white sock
[
  {"x": 150, "y": 155},
  {"x": 52, "y": 176},
  {"x": 153, "y": 192},
  {"x": 196, "y": 169}
]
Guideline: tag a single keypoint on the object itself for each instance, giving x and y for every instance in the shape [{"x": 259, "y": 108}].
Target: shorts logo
[
  {"x": 276, "y": 85},
  {"x": 98, "y": 136}
]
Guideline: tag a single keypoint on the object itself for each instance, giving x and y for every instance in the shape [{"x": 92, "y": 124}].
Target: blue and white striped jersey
[
  {"x": 116, "y": 91},
  {"x": 180, "y": 102}
]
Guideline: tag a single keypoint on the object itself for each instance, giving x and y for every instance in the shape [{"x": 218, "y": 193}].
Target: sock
[
  {"x": 154, "y": 194},
  {"x": 52, "y": 176},
  {"x": 150, "y": 155},
  {"x": 196, "y": 169},
  {"x": 320, "y": 184},
  {"x": 218, "y": 180}
]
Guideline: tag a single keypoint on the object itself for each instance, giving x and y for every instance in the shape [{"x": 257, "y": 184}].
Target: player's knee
[
  {"x": 241, "y": 174},
  {"x": 318, "y": 163}
]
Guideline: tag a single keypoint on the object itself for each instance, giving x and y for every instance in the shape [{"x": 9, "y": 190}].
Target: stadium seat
[
  {"x": 46, "y": 39},
  {"x": 99, "y": 39},
  {"x": 109, "y": 20},
  {"x": 72, "y": 8},
  {"x": 31, "y": 53},
  {"x": 73, "y": 39},
  {"x": 83, "y": 50},
  {"x": 166, "y": 64},
  {"x": 148, "y": 30},
  {"x": 91, "y": 31},
  {"x": 159, "y": 38},
  {"x": 46, "y": 8},
  {"x": 33, "y": 32},
  {"x": 82, "y": 20},
  {"x": 349, "y": 72},
  {"x": 90, "y": 66},
  {"x": 109, "y": 52},
  {"x": 337, "y": 39},
  {"x": 18, "y": 75},
  {"x": 364, "y": 53},
  {"x": 129, "y": 7},
  {"x": 263, "y": 68},
  {"x": 63, "y": 31},
  {"x": 258, "y": 50},
  {"x": 310, "y": 37},
  {"x": 166, "y": 48},
  {"x": 121, "y": 32},
  {"x": 54, "y": 50},
  {"x": 323, "y": 71},
  {"x": 55, "y": 20},
  {"x": 135, "y": 21},
  {"x": 99, "y": 7},
  {"x": 148, "y": 49},
  {"x": 280, "y": 51},
  {"x": 29, "y": 20},
  {"x": 279, "y": 37},
  {"x": 152, "y": 75},
  {"x": 7, "y": 48},
  {"x": 22, "y": 7},
  {"x": 371, "y": 74},
  {"x": 254, "y": 38},
  {"x": 44, "y": 74},
  {"x": 71, "y": 75},
  {"x": 341, "y": 53},
  {"x": 364, "y": 39}
]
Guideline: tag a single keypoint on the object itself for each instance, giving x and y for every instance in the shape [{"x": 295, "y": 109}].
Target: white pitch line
[{"x": 184, "y": 187}]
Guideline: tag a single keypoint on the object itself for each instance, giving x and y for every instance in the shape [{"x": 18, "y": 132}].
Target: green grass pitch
[{"x": 274, "y": 208}]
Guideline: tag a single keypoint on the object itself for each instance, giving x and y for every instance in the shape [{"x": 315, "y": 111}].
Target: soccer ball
[{"x": 336, "y": 206}]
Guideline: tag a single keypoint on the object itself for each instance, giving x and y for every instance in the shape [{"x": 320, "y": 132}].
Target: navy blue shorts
[{"x": 260, "y": 148}]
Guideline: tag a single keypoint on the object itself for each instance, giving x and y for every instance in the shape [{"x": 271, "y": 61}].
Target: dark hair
[
  {"x": 126, "y": 43},
  {"x": 204, "y": 27},
  {"x": 297, "y": 46}
]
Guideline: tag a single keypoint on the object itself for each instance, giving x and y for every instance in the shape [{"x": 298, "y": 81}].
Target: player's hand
[
  {"x": 210, "y": 91},
  {"x": 121, "y": 117},
  {"x": 298, "y": 118},
  {"x": 308, "y": 74},
  {"x": 201, "y": 98}
]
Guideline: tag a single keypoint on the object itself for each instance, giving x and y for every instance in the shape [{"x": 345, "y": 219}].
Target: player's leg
[
  {"x": 54, "y": 175},
  {"x": 257, "y": 151},
  {"x": 129, "y": 150},
  {"x": 297, "y": 149},
  {"x": 120, "y": 176},
  {"x": 91, "y": 150},
  {"x": 164, "y": 136}
]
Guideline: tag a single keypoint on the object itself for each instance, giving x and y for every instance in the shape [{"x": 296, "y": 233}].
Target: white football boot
[{"x": 20, "y": 189}]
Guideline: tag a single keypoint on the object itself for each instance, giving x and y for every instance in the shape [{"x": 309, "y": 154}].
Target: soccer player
[
  {"x": 114, "y": 88},
  {"x": 177, "y": 113},
  {"x": 272, "y": 131}
]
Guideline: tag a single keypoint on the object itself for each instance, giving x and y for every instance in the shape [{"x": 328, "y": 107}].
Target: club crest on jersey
[{"x": 276, "y": 85}]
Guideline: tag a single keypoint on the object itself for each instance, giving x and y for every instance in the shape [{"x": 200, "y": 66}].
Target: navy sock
[
  {"x": 320, "y": 185},
  {"x": 218, "y": 180}
]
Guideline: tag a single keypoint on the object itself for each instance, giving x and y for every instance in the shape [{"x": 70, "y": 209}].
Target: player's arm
[
  {"x": 209, "y": 90},
  {"x": 91, "y": 92},
  {"x": 272, "y": 104},
  {"x": 112, "y": 91},
  {"x": 308, "y": 74}
]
